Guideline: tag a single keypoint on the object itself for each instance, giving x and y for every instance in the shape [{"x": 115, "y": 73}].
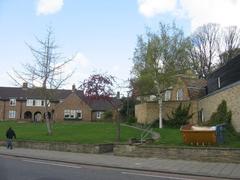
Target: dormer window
[
  {"x": 12, "y": 102},
  {"x": 179, "y": 95},
  {"x": 167, "y": 95}
]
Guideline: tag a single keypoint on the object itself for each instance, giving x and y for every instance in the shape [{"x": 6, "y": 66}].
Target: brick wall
[
  {"x": 72, "y": 102},
  {"x": 231, "y": 94}
]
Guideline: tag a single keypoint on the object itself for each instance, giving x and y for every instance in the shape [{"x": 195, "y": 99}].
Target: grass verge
[{"x": 77, "y": 132}]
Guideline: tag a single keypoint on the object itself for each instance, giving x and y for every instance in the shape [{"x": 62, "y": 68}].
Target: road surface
[{"x": 14, "y": 168}]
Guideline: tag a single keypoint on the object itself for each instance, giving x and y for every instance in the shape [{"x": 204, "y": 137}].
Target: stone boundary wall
[
  {"x": 60, "y": 146},
  {"x": 209, "y": 154}
]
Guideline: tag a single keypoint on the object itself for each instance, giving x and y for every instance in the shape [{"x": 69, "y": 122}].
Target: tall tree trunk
[
  {"x": 160, "y": 111},
  {"x": 49, "y": 129},
  {"x": 118, "y": 129}
]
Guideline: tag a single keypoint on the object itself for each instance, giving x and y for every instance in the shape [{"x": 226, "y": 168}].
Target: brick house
[
  {"x": 25, "y": 103},
  {"x": 187, "y": 90},
  {"x": 204, "y": 96},
  {"x": 223, "y": 84}
]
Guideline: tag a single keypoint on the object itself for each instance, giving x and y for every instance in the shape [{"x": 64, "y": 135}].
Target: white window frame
[
  {"x": 11, "y": 114},
  {"x": 167, "y": 95},
  {"x": 12, "y": 102},
  {"x": 99, "y": 114},
  {"x": 38, "y": 103},
  {"x": 79, "y": 111},
  {"x": 219, "y": 82},
  {"x": 180, "y": 94},
  {"x": 29, "y": 102},
  {"x": 72, "y": 114}
]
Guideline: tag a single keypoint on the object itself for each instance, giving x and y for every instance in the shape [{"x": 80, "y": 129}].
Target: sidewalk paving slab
[{"x": 221, "y": 170}]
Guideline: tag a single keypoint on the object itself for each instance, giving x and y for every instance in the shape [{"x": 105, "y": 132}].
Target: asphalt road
[{"x": 13, "y": 168}]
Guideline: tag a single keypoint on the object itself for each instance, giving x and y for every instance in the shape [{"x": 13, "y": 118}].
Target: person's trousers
[{"x": 9, "y": 143}]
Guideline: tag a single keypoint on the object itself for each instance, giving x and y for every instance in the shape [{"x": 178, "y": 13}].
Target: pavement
[{"x": 211, "y": 169}]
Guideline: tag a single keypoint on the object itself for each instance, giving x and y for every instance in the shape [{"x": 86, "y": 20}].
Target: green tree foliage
[
  {"x": 180, "y": 116},
  {"x": 157, "y": 58},
  {"x": 222, "y": 115},
  {"x": 128, "y": 107}
]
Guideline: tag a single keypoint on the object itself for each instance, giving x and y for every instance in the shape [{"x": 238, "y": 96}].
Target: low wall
[
  {"x": 68, "y": 147},
  {"x": 208, "y": 154}
]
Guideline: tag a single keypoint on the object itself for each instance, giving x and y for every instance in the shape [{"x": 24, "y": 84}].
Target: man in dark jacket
[{"x": 10, "y": 134}]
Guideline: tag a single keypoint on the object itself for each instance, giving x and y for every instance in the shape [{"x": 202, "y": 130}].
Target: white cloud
[
  {"x": 199, "y": 12},
  {"x": 45, "y": 7},
  {"x": 150, "y": 8},
  {"x": 224, "y": 12},
  {"x": 82, "y": 68}
]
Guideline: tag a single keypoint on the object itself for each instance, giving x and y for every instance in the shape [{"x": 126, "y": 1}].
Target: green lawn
[
  {"x": 173, "y": 137},
  {"x": 169, "y": 136},
  {"x": 84, "y": 133}
]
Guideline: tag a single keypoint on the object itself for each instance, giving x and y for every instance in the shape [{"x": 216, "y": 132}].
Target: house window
[
  {"x": 38, "y": 103},
  {"x": 179, "y": 95},
  {"x": 219, "y": 82},
  {"x": 42, "y": 103},
  {"x": 167, "y": 95},
  {"x": 201, "y": 116},
  {"x": 99, "y": 115},
  {"x": 79, "y": 114},
  {"x": 72, "y": 114},
  {"x": 12, "y": 102},
  {"x": 11, "y": 114},
  {"x": 29, "y": 102},
  {"x": 67, "y": 114}
]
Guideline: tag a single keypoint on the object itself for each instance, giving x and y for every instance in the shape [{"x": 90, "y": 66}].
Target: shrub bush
[
  {"x": 180, "y": 116},
  {"x": 131, "y": 120},
  {"x": 222, "y": 115}
]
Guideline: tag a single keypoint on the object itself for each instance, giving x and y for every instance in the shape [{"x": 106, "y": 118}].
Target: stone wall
[
  {"x": 68, "y": 147},
  {"x": 185, "y": 153},
  {"x": 147, "y": 112},
  {"x": 231, "y": 94}
]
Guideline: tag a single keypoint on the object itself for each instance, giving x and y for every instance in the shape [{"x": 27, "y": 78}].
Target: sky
[{"x": 101, "y": 35}]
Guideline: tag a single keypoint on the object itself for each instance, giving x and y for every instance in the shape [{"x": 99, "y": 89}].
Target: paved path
[
  {"x": 154, "y": 135},
  {"x": 224, "y": 170}
]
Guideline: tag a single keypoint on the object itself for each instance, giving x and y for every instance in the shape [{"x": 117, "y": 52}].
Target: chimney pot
[
  {"x": 25, "y": 85},
  {"x": 73, "y": 87}
]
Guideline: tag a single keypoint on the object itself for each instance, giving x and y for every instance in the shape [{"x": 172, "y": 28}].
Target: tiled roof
[
  {"x": 56, "y": 95},
  {"x": 196, "y": 87},
  {"x": 30, "y": 93}
]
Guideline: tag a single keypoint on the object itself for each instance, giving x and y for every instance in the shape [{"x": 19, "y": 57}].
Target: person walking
[{"x": 10, "y": 134}]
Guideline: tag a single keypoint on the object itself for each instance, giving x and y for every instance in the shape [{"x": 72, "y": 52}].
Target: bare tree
[
  {"x": 100, "y": 87},
  {"x": 230, "y": 44},
  {"x": 46, "y": 73},
  {"x": 205, "y": 47}
]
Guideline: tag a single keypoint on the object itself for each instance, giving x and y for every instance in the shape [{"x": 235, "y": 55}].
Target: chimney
[
  {"x": 25, "y": 85},
  {"x": 118, "y": 95},
  {"x": 73, "y": 88}
]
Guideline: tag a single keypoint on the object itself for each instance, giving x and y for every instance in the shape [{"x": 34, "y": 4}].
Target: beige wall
[
  {"x": 147, "y": 112},
  {"x": 179, "y": 85},
  {"x": 210, "y": 103},
  {"x": 72, "y": 102}
]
